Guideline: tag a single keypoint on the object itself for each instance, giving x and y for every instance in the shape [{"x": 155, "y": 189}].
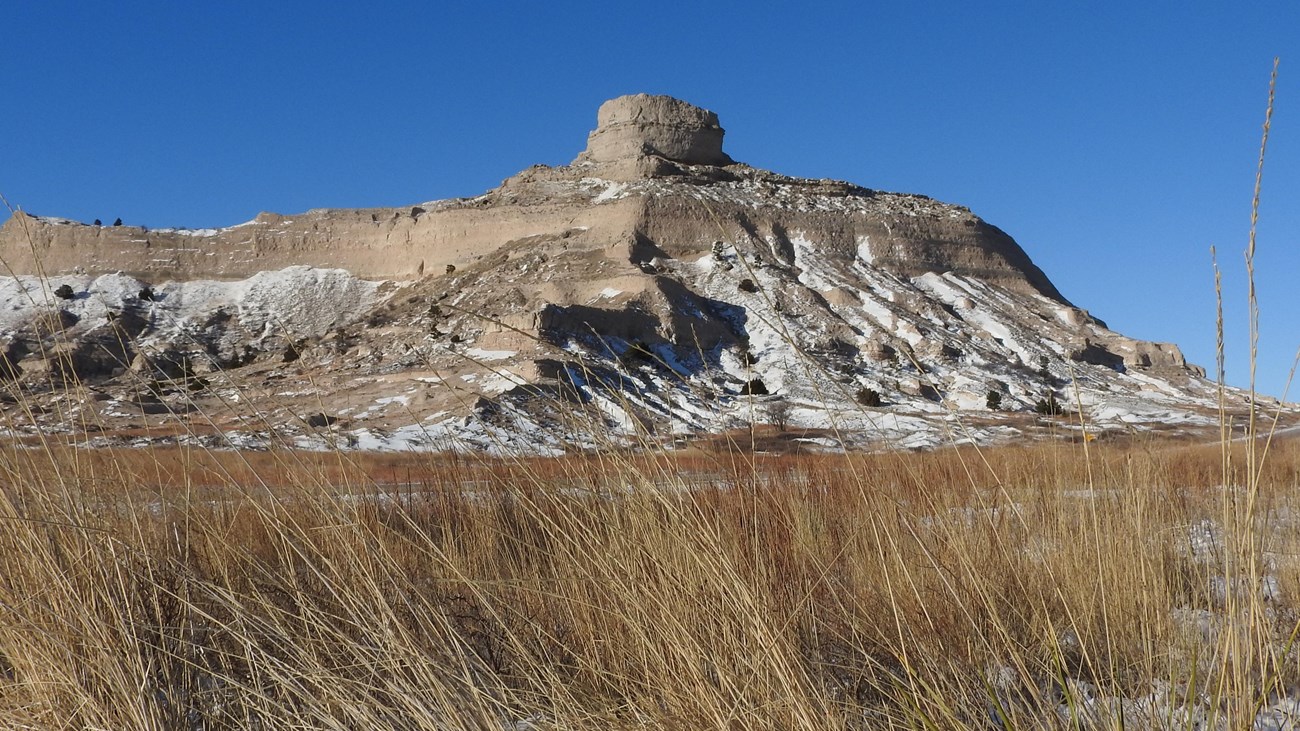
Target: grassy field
[{"x": 1060, "y": 585}]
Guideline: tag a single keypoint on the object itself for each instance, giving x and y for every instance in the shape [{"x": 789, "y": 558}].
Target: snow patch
[
  {"x": 864, "y": 250},
  {"x": 612, "y": 191},
  {"x": 479, "y": 354}
]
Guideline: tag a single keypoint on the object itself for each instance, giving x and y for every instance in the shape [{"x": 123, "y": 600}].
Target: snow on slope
[
  {"x": 815, "y": 338},
  {"x": 301, "y": 301},
  {"x": 957, "y": 339}
]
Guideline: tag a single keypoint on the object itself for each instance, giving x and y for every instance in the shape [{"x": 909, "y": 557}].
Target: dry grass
[
  {"x": 944, "y": 590},
  {"x": 1138, "y": 584}
]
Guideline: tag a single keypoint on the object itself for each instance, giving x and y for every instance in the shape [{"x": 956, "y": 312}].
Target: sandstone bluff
[{"x": 652, "y": 289}]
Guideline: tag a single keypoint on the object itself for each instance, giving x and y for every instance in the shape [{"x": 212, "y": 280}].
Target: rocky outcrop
[
  {"x": 654, "y": 177},
  {"x": 632, "y": 128},
  {"x": 652, "y": 287}
]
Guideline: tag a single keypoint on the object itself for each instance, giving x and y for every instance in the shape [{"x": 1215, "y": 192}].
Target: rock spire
[{"x": 634, "y": 127}]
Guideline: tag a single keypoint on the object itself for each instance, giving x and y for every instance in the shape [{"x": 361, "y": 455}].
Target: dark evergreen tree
[
  {"x": 1049, "y": 406},
  {"x": 994, "y": 401}
]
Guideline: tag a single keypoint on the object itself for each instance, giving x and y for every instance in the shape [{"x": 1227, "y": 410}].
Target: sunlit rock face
[{"x": 638, "y": 125}]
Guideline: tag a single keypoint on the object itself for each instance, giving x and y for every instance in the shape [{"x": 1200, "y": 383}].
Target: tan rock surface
[
  {"x": 640, "y": 125},
  {"x": 679, "y": 204}
]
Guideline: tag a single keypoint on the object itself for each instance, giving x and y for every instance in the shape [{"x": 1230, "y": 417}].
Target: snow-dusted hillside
[{"x": 653, "y": 292}]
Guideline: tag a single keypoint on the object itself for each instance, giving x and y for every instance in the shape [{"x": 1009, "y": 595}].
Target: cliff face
[
  {"x": 654, "y": 287},
  {"x": 654, "y": 170},
  {"x": 386, "y": 243}
]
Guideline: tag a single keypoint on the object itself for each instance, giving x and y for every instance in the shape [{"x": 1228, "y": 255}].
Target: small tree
[
  {"x": 994, "y": 401},
  {"x": 118, "y": 222},
  {"x": 64, "y": 292},
  {"x": 98, "y": 222},
  {"x": 147, "y": 294},
  {"x": 778, "y": 413}
]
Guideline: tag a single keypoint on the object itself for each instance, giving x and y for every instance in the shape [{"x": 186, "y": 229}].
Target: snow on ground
[
  {"x": 58, "y": 221},
  {"x": 479, "y": 354},
  {"x": 195, "y": 232},
  {"x": 611, "y": 191},
  {"x": 980, "y": 317},
  {"x": 1135, "y": 411},
  {"x": 864, "y": 250},
  {"x": 301, "y": 301}
]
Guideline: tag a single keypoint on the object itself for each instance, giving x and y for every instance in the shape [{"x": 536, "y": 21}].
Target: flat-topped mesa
[
  {"x": 652, "y": 182},
  {"x": 631, "y": 128},
  {"x": 563, "y": 279}
]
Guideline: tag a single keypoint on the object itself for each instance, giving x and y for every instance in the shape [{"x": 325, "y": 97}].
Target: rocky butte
[{"x": 653, "y": 289}]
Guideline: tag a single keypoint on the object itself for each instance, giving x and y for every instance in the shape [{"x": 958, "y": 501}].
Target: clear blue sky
[{"x": 1116, "y": 141}]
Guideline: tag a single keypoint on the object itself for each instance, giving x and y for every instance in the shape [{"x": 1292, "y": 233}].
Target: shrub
[
  {"x": 869, "y": 397},
  {"x": 639, "y": 351},
  {"x": 98, "y": 222},
  {"x": 118, "y": 222},
  {"x": 994, "y": 401},
  {"x": 317, "y": 421},
  {"x": 64, "y": 292},
  {"x": 147, "y": 294},
  {"x": 755, "y": 387},
  {"x": 747, "y": 285}
]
